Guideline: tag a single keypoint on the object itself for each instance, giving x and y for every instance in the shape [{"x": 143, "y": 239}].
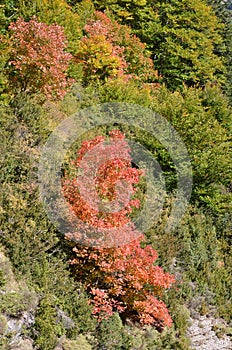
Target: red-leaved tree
[
  {"x": 113, "y": 163},
  {"x": 38, "y": 58},
  {"x": 123, "y": 277}
]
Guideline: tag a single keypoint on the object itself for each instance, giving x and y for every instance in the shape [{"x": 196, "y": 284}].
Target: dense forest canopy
[{"x": 91, "y": 60}]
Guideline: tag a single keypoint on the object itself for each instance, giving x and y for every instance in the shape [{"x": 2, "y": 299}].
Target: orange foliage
[{"x": 121, "y": 278}]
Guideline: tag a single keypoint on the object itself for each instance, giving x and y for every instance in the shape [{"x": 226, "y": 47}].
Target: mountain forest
[{"x": 116, "y": 175}]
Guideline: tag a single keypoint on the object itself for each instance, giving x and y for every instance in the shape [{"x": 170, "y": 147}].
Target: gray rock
[
  {"x": 67, "y": 321},
  {"x": 203, "y": 336},
  {"x": 22, "y": 344},
  {"x": 14, "y": 325}
]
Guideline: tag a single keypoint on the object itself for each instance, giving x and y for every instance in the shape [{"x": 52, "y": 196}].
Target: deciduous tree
[
  {"x": 122, "y": 278},
  {"x": 181, "y": 35},
  {"x": 38, "y": 59},
  {"x": 109, "y": 49}
]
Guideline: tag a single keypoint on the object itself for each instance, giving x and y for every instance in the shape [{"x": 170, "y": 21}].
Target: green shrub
[
  {"x": 2, "y": 279},
  {"x": 79, "y": 344},
  {"x": 149, "y": 339},
  {"x": 3, "y": 324},
  {"x": 181, "y": 317},
  {"x": 15, "y": 303},
  {"x": 111, "y": 334},
  {"x": 46, "y": 325}
]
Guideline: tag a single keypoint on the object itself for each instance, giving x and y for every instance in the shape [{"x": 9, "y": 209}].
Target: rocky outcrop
[
  {"x": 22, "y": 344},
  {"x": 208, "y": 333},
  {"x": 17, "y": 308}
]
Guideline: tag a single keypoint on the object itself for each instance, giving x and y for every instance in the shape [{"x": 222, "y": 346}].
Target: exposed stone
[
  {"x": 15, "y": 324},
  {"x": 202, "y": 333},
  {"x": 68, "y": 323},
  {"x": 21, "y": 344},
  {"x": 19, "y": 314}
]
